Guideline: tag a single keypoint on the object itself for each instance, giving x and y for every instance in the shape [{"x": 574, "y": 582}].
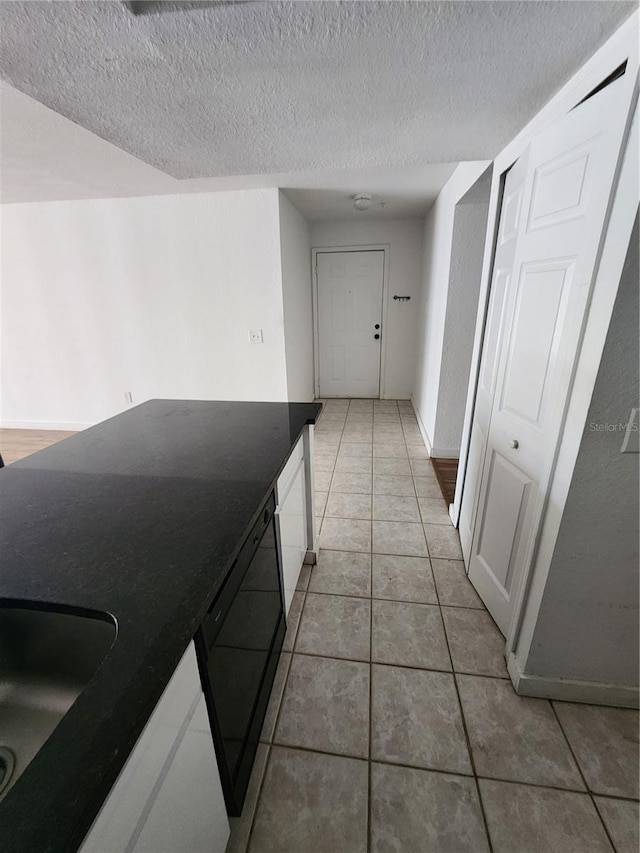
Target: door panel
[
  {"x": 349, "y": 308},
  {"x": 569, "y": 178},
  {"x": 499, "y": 305},
  {"x": 503, "y": 510},
  {"x": 537, "y": 319}
]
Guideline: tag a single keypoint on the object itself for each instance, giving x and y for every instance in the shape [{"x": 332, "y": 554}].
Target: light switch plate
[
  {"x": 255, "y": 336},
  {"x": 631, "y": 443}
]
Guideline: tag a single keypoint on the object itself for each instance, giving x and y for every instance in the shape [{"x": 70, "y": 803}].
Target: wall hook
[{"x": 402, "y": 298}]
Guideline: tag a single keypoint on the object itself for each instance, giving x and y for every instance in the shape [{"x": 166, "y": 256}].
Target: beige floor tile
[
  {"x": 621, "y": 819},
  {"x": 326, "y": 706},
  {"x": 355, "y": 449},
  {"x": 412, "y": 435},
  {"x": 443, "y": 542},
  {"x": 403, "y": 579},
  {"x": 323, "y": 480},
  {"x": 352, "y": 483},
  {"x": 293, "y": 620},
  {"x": 396, "y": 508},
  {"x": 394, "y": 537},
  {"x": 241, "y": 826},
  {"x": 276, "y": 696},
  {"x": 354, "y": 465},
  {"x": 365, "y": 418},
  {"x": 321, "y": 502},
  {"x": 312, "y": 802},
  {"x": 360, "y": 436},
  {"x": 324, "y": 463},
  {"x": 408, "y": 634},
  {"x": 345, "y": 534},
  {"x": 386, "y": 465},
  {"x": 393, "y": 484},
  {"x": 342, "y": 573},
  {"x": 423, "y": 468},
  {"x": 527, "y": 819},
  {"x": 336, "y": 405},
  {"x": 389, "y": 451},
  {"x": 361, "y": 406},
  {"x": 427, "y": 487},
  {"x": 386, "y": 417},
  {"x": 345, "y": 505},
  {"x": 335, "y": 626},
  {"x": 475, "y": 643},
  {"x": 416, "y": 720},
  {"x": 514, "y": 737},
  {"x": 605, "y": 742},
  {"x": 417, "y": 451},
  {"x": 388, "y": 436},
  {"x": 417, "y": 811},
  {"x": 454, "y": 587},
  {"x": 434, "y": 511}
]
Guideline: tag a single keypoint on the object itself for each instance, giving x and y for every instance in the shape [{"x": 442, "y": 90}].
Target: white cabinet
[
  {"x": 293, "y": 516},
  {"x": 168, "y": 796}
]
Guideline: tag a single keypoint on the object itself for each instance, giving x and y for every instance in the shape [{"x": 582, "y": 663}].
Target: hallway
[{"x": 393, "y": 725}]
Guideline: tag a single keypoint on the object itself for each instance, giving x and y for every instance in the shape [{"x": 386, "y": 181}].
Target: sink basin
[{"x": 47, "y": 657}]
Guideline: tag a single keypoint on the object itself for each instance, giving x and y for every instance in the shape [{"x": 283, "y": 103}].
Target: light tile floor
[{"x": 392, "y": 724}]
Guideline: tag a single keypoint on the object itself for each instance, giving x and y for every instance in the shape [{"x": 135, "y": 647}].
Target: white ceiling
[
  {"x": 269, "y": 87},
  {"x": 45, "y": 157}
]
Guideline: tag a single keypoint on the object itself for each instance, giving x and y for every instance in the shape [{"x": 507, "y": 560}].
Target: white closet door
[
  {"x": 569, "y": 179},
  {"x": 502, "y": 269}
]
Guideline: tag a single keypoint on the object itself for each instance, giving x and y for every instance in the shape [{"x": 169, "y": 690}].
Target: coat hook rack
[{"x": 402, "y": 298}]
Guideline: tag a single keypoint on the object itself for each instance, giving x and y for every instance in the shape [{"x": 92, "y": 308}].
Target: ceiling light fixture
[{"x": 362, "y": 201}]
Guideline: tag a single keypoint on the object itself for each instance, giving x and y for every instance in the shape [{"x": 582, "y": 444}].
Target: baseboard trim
[
  {"x": 67, "y": 426},
  {"x": 568, "y": 690},
  {"x": 422, "y": 428},
  {"x": 445, "y": 453}
]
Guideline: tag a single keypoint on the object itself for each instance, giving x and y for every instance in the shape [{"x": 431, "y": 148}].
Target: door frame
[
  {"x": 620, "y": 48},
  {"x": 369, "y": 247}
]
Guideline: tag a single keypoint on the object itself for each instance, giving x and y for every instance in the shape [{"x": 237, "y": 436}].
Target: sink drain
[{"x": 7, "y": 765}]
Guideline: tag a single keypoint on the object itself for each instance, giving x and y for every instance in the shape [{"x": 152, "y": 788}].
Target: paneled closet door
[{"x": 569, "y": 179}]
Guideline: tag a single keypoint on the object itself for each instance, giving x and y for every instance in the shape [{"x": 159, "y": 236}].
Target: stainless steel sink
[{"x": 47, "y": 657}]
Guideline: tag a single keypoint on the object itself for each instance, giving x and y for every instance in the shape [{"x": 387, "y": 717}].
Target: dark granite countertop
[{"x": 141, "y": 517}]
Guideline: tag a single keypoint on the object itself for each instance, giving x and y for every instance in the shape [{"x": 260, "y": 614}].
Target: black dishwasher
[{"x": 238, "y": 648}]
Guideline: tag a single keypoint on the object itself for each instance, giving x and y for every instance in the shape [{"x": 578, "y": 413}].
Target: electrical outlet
[
  {"x": 255, "y": 336},
  {"x": 631, "y": 443},
  {"x": 128, "y": 397}
]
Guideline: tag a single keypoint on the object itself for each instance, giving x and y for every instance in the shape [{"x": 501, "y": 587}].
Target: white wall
[
  {"x": 467, "y": 250},
  {"x": 404, "y": 237},
  {"x": 432, "y": 306},
  {"x": 295, "y": 253},
  {"x": 154, "y": 295},
  {"x": 587, "y": 628}
]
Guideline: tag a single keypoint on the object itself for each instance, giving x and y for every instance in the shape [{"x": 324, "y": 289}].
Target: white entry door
[
  {"x": 349, "y": 322},
  {"x": 569, "y": 178}
]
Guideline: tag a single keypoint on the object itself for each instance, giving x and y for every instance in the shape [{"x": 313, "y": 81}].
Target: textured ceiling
[
  {"x": 269, "y": 87},
  {"x": 46, "y": 157}
]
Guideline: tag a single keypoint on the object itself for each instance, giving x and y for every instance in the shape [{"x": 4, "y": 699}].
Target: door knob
[
  {"x": 376, "y": 336},
  {"x": 514, "y": 443},
  {"x": 377, "y": 326}
]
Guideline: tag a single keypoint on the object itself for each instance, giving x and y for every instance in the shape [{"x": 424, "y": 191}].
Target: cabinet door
[
  {"x": 292, "y": 515},
  {"x": 170, "y": 773}
]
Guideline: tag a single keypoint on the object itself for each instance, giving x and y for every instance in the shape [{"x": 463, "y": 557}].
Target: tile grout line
[
  {"x": 582, "y": 776},
  {"x": 428, "y": 769},
  {"x": 370, "y": 709},
  {"x": 464, "y": 725},
  {"x": 267, "y": 762}
]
